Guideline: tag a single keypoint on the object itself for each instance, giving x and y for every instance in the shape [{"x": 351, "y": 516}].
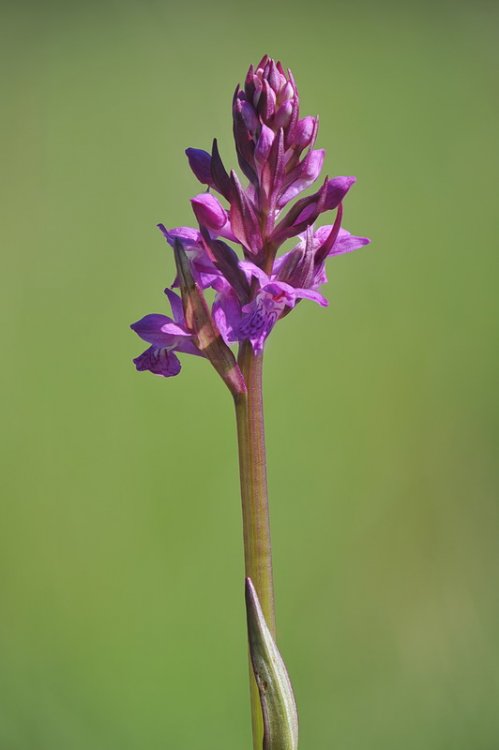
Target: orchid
[
  {"x": 242, "y": 222},
  {"x": 275, "y": 150},
  {"x": 255, "y": 320},
  {"x": 166, "y": 337}
]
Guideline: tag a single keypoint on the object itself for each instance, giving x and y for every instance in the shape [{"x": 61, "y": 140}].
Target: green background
[{"x": 122, "y": 622}]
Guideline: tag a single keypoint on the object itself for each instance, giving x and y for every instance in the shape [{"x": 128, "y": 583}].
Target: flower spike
[{"x": 244, "y": 222}]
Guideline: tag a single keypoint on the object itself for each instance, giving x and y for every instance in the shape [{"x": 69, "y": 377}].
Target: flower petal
[
  {"x": 226, "y": 313},
  {"x": 347, "y": 243},
  {"x": 176, "y": 305},
  {"x": 305, "y": 131},
  {"x": 312, "y": 295},
  {"x": 187, "y": 235},
  {"x": 303, "y": 176},
  {"x": 251, "y": 269},
  {"x": 159, "y": 330},
  {"x": 209, "y": 211},
  {"x": 158, "y": 361},
  {"x": 191, "y": 239},
  {"x": 336, "y": 190},
  {"x": 263, "y": 146},
  {"x": 260, "y": 315}
]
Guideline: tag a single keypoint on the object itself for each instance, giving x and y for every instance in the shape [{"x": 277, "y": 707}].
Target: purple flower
[
  {"x": 212, "y": 215},
  {"x": 234, "y": 250},
  {"x": 204, "y": 269},
  {"x": 304, "y": 265},
  {"x": 166, "y": 337},
  {"x": 255, "y": 320}
]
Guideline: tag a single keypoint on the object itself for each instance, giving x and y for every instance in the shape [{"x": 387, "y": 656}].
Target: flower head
[{"x": 256, "y": 286}]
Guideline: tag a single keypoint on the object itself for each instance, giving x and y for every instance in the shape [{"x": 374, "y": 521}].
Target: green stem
[{"x": 256, "y": 525}]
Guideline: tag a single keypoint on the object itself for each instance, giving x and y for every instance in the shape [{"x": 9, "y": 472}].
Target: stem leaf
[{"x": 280, "y": 717}]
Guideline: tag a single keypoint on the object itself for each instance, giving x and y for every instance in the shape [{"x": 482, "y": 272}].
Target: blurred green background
[{"x": 122, "y": 622}]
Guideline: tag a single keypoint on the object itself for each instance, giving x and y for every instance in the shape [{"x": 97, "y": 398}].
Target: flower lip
[{"x": 158, "y": 361}]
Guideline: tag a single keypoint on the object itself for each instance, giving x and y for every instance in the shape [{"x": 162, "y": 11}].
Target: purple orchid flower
[
  {"x": 304, "y": 265},
  {"x": 234, "y": 254},
  {"x": 275, "y": 150},
  {"x": 255, "y": 320},
  {"x": 166, "y": 337},
  {"x": 204, "y": 269}
]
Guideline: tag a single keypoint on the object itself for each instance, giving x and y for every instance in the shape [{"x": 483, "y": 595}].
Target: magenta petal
[
  {"x": 312, "y": 295},
  {"x": 347, "y": 243},
  {"x": 266, "y": 103},
  {"x": 263, "y": 146},
  {"x": 187, "y": 235},
  {"x": 227, "y": 314},
  {"x": 158, "y": 330},
  {"x": 174, "y": 330},
  {"x": 281, "y": 293},
  {"x": 305, "y": 131},
  {"x": 158, "y": 361},
  {"x": 303, "y": 176},
  {"x": 252, "y": 270},
  {"x": 336, "y": 191},
  {"x": 249, "y": 116},
  {"x": 260, "y": 316},
  {"x": 209, "y": 211},
  {"x": 301, "y": 215},
  {"x": 192, "y": 241},
  {"x": 177, "y": 307},
  {"x": 283, "y": 115},
  {"x": 322, "y": 233}
]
